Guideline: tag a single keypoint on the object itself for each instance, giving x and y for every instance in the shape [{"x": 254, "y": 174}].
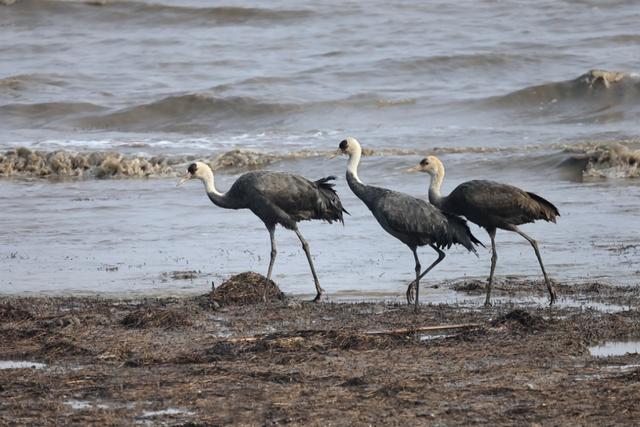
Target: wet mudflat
[{"x": 203, "y": 361}]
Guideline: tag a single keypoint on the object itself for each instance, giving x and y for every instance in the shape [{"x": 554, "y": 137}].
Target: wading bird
[
  {"x": 491, "y": 205},
  {"x": 276, "y": 198},
  {"x": 412, "y": 221}
]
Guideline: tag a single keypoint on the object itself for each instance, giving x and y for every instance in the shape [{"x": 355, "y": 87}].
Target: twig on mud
[
  {"x": 423, "y": 329},
  {"x": 300, "y": 335}
]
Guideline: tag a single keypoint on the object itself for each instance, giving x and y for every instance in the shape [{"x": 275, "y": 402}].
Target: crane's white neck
[
  {"x": 436, "y": 183},
  {"x": 209, "y": 183},
  {"x": 354, "y": 160}
]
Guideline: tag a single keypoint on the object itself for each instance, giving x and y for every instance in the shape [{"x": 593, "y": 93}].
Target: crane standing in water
[
  {"x": 491, "y": 205},
  {"x": 276, "y": 198},
  {"x": 412, "y": 221}
]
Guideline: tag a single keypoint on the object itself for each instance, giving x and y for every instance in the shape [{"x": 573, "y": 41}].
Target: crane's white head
[
  {"x": 197, "y": 170},
  {"x": 431, "y": 165},
  {"x": 349, "y": 146}
]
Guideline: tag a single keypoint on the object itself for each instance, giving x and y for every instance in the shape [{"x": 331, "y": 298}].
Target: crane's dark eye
[
  {"x": 343, "y": 144},
  {"x": 192, "y": 168},
  {"x": 424, "y": 162}
]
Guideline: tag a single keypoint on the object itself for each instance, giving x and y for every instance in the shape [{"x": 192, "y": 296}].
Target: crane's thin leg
[
  {"x": 441, "y": 256},
  {"x": 494, "y": 260},
  {"x": 416, "y": 282},
  {"x": 272, "y": 260},
  {"x": 274, "y": 252},
  {"x": 552, "y": 292},
  {"x": 305, "y": 246}
]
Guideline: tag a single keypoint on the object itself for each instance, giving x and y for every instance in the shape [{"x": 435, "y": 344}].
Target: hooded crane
[
  {"x": 276, "y": 198},
  {"x": 412, "y": 221},
  {"x": 491, "y": 205}
]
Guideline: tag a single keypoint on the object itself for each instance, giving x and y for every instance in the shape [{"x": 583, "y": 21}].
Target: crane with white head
[
  {"x": 413, "y": 221},
  {"x": 491, "y": 205},
  {"x": 276, "y": 198}
]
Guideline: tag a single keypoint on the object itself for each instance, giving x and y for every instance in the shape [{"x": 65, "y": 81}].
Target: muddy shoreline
[{"x": 196, "y": 361}]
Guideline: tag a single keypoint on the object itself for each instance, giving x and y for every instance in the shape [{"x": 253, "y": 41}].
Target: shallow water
[
  {"x": 615, "y": 348},
  {"x": 178, "y": 80},
  {"x": 126, "y": 236},
  {"x": 20, "y": 364}
]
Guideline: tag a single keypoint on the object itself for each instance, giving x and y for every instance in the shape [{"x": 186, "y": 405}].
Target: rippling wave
[
  {"x": 23, "y": 82},
  {"x": 192, "y": 112},
  {"x": 43, "y": 113},
  {"x": 596, "y": 96},
  {"x": 472, "y": 61},
  {"x": 159, "y": 13},
  {"x": 172, "y": 113}
]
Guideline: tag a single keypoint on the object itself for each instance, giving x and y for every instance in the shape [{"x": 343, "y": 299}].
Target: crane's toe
[{"x": 320, "y": 297}]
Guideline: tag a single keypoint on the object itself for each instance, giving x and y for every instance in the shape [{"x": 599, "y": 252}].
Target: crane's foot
[
  {"x": 320, "y": 297},
  {"x": 487, "y": 304},
  {"x": 553, "y": 297}
]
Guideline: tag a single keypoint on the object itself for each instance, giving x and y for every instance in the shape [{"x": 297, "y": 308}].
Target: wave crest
[
  {"x": 612, "y": 160},
  {"x": 596, "y": 96},
  {"x": 588, "y": 159},
  {"x": 23, "y": 162}
]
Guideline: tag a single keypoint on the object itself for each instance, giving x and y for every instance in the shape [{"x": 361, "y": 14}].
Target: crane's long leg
[
  {"x": 417, "y": 281},
  {"x": 274, "y": 252},
  {"x": 552, "y": 292},
  {"x": 272, "y": 259},
  {"x": 494, "y": 260},
  {"x": 305, "y": 246},
  {"x": 441, "y": 256}
]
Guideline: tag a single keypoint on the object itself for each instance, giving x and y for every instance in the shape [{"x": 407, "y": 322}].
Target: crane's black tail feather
[
  {"x": 330, "y": 207},
  {"x": 547, "y": 210},
  {"x": 462, "y": 234}
]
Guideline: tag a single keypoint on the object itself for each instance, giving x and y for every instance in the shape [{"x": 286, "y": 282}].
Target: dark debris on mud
[
  {"x": 247, "y": 362},
  {"x": 156, "y": 318}
]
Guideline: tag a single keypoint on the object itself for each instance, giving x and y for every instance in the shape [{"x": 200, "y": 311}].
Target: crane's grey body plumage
[
  {"x": 283, "y": 198},
  {"x": 491, "y": 205},
  {"x": 494, "y": 205},
  {"x": 413, "y": 221},
  {"x": 277, "y": 198}
]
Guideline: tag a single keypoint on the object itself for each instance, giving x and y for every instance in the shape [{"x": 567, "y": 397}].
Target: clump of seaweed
[{"x": 246, "y": 288}]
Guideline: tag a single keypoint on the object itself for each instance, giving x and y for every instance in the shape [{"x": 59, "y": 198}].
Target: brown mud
[{"x": 220, "y": 359}]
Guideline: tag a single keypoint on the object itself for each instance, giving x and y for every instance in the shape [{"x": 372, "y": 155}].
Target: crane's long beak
[
  {"x": 413, "y": 169},
  {"x": 334, "y": 154},
  {"x": 186, "y": 177}
]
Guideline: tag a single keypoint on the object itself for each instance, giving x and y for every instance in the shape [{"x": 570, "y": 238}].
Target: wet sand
[{"x": 195, "y": 361}]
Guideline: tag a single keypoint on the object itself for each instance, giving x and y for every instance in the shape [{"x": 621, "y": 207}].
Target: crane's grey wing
[
  {"x": 480, "y": 200},
  {"x": 412, "y": 220},
  {"x": 294, "y": 196}
]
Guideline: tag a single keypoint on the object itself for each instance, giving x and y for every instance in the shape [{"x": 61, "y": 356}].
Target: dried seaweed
[{"x": 246, "y": 288}]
